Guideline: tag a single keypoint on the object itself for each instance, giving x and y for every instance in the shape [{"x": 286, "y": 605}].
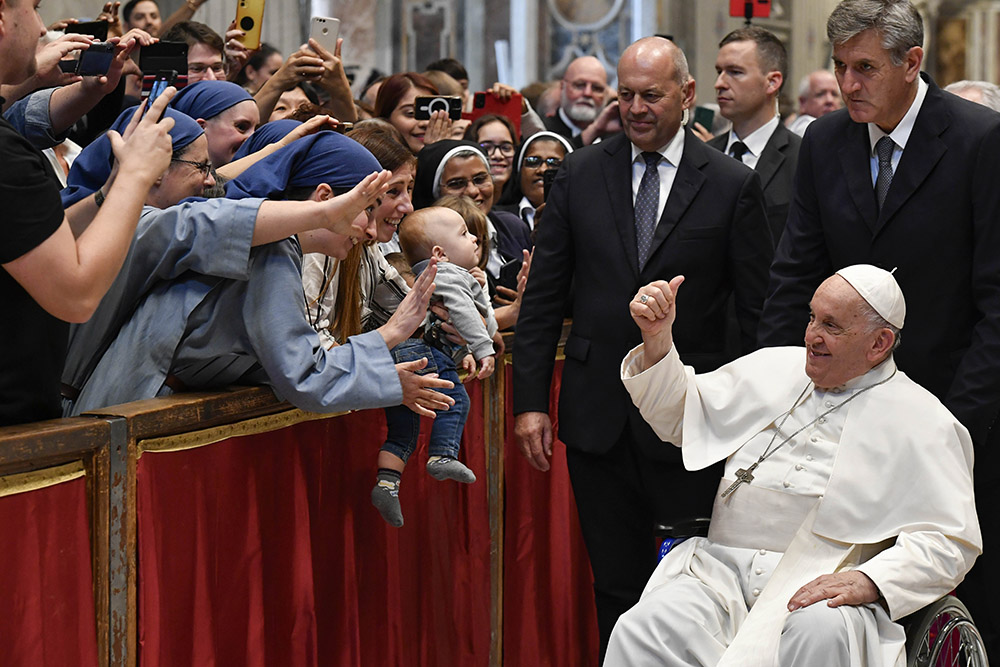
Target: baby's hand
[
  {"x": 486, "y": 367},
  {"x": 469, "y": 366},
  {"x": 479, "y": 275}
]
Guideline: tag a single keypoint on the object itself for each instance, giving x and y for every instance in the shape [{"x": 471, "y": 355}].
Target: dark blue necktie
[{"x": 646, "y": 204}]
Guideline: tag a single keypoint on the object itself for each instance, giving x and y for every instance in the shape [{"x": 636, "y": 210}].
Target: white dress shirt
[
  {"x": 755, "y": 142},
  {"x": 672, "y": 153},
  {"x": 899, "y": 135}
]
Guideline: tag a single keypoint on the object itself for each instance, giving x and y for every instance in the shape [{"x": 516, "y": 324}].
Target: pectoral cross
[{"x": 743, "y": 476}]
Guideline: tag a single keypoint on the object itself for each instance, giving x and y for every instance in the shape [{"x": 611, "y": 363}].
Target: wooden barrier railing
[{"x": 106, "y": 446}]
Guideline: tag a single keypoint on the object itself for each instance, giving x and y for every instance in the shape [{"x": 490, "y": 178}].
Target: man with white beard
[{"x": 582, "y": 94}]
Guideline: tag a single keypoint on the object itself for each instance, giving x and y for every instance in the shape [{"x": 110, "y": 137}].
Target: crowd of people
[{"x": 262, "y": 224}]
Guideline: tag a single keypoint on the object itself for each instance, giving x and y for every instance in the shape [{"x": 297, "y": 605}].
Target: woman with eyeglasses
[
  {"x": 452, "y": 167},
  {"x": 540, "y": 153},
  {"x": 496, "y": 136}
]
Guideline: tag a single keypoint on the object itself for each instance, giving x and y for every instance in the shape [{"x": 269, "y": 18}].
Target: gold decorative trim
[
  {"x": 208, "y": 436},
  {"x": 34, "y": 480}
]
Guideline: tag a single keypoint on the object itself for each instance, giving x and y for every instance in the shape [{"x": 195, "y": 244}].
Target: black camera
[{"x": 423, "y": 107}]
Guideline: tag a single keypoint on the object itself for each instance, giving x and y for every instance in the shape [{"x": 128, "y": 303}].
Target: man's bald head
[
  {"x": 819, "y": 94},
  {"x": 654, "y": 88},
  {"x": 583, "y": 89},
  {"x": 660, "y": 49}
]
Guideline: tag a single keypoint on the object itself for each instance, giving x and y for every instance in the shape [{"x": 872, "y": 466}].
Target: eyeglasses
[
  {"x": 199, "y": 68},
  {"x": 535, "y": 161},
  {"x": 581, "y": 87},
  {"x": 204, "y": 167},
  {"x": 460, "y": 184},
  {"x": 505, "y": 148}
]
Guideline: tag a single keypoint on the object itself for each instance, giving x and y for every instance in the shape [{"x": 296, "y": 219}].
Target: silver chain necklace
[{"x": 745, "y": 475}]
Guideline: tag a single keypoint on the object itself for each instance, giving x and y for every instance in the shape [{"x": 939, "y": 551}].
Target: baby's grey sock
[
  {"x": 385, "y": 496},
  {"x": 445, "y": 467}
]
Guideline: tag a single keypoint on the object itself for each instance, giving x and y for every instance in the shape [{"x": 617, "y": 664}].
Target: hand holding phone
[
  {"x": 424, "y": 106},
  {"x": 325, "y": 31},
  {"x": 249, "y": 19},
  {"x": 94, "y": 60}
]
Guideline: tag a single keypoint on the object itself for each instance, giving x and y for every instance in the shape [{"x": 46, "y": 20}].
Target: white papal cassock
[{"x": 881, "y": 484}]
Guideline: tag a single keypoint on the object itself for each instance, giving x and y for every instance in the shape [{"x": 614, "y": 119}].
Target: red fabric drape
[
  {"x": 549, "y": 613},
  {"x": 265, "y": 550},
  {"x": 46, "y": 578}
]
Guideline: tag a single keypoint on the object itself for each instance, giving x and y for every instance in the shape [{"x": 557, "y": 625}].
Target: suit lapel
[
  {"x": 617, "y": 168},
  {"x": 687, "y": 183},
  {"x": 924, "y": 149},
  {"x": 772, "y": 156},
  {"x": 855, "y": 164}
]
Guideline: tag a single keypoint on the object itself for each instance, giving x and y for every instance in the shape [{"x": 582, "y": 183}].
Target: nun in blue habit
[
  {"x": 210, "y": 331},
  {"x": 226, "y": 111},
  {"x": 92, "y": 168}
]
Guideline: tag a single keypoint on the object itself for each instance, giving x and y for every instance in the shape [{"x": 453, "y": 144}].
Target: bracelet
[{"x": 99, "y": 198}]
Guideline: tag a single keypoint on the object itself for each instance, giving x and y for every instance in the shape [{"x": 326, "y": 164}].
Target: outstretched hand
[
  {"x": 654, "y": 310},
  {"x": 438, "y": 127},
  {"x": 311, "y": 126},
  {"x": 418, "y": 390},
  {"x": 412, "y": 310},
  {"x": 343, "y": 211}
]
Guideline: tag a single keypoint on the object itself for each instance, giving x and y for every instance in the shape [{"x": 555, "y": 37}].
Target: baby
[{"x": 440, "y": 233}]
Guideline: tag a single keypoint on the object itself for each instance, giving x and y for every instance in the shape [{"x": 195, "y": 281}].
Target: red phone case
[{"x": 484, "y": 103}]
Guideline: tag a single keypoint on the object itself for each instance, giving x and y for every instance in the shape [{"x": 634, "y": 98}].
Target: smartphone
[
  {"x": 163, "y": 56},
  {"x": 95, "y": 60},
  {"x": 705, "y": 117},
  {"x": 325, "y": 31},
  {"x": 548, "y": 178},
  {"x": 425, "y": 106},
  {"x": 484, "y": 103},
  {"x": 96, "y": 29},
  {"x": 508, "y": 273},
  {"x": 249, "y": 18},
  {"x": 161, "y": 82}
]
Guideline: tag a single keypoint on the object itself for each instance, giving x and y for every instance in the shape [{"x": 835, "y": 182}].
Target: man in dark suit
[
  {"x": 751, "y": 68},
  {"x": 647, "y": 204},
  {"x": 905, "y": 178}
]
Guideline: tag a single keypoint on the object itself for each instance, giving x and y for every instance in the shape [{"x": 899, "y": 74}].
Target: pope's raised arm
[{"x": 654, "y": 309}]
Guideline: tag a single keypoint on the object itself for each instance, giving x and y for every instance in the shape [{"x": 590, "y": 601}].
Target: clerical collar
[
  {"x": 672, "y": 151},
  {"x": 756, "y": 140},
  {"x": 878, "y": 374},
  {"x": 901, "y": 133},
  {"x": 568, "y": 122}
]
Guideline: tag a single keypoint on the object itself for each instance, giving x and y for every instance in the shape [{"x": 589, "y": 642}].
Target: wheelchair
[{"x": 942, "y": 634}]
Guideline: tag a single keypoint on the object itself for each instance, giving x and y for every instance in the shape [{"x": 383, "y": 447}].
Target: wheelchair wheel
[{"x": 943, "y": 634}]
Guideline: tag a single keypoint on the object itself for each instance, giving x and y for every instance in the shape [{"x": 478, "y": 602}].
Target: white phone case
[{"x": 325, "y": 31}]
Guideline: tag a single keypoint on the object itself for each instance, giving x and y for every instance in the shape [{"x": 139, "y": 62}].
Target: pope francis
[{"x": 847, "y": 498}]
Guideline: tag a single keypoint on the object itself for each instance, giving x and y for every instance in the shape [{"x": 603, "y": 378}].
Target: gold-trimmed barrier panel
[{"x": 34, "y": 480}]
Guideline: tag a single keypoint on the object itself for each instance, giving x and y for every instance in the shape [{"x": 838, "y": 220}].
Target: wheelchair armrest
[{"x": 682, "y": 528}]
